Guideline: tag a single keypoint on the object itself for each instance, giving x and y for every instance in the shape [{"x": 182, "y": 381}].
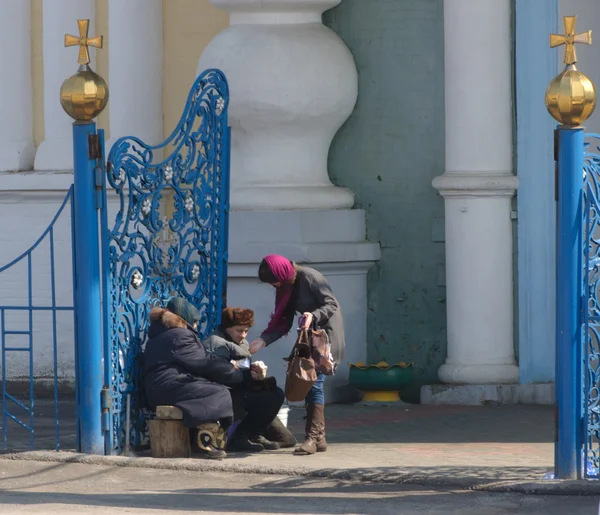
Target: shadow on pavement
[{"x": 305, "y": 496}]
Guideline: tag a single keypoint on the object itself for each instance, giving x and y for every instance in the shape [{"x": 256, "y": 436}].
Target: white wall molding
[{"x": 481, "y": 185}]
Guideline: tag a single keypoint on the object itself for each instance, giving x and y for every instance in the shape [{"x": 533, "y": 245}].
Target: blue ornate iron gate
[
  {"x": 591, "y": 307},
  {"x": 168, "y": 237},
  {"x": 17, "y": 322}
]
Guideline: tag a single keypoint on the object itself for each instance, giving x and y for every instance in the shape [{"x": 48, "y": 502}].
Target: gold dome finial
[
  {"x": 84, "y": 95},
  {"x": 571, "y": 96}
]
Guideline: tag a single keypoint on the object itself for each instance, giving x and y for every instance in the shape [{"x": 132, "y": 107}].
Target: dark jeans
[
  {"x": 316, "y": 395},
  {"x": 259, "y": 408}
]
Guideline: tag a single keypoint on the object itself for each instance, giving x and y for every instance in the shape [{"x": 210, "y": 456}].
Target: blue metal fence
[
  {"x": 591, "y": 307},
  {"x": 21, "y": 412},
  {"x": 167, "y": 236}
]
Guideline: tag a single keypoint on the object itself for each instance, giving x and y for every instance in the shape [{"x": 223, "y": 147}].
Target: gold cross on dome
[
  {"x": 83, "y": 41},
  {"x": 570, "y": 39}
]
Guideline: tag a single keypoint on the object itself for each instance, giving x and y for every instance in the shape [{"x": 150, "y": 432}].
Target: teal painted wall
[
  {"x": 536, "y": 64},
  {"x": 387, "y": 154}
]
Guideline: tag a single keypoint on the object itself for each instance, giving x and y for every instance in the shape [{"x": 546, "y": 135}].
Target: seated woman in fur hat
[
  {"x": 229, "y": 342},
  {"x": 229, "y": 339}
]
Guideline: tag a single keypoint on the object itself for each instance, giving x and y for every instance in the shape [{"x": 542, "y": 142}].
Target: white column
[
  {"x": 60, "y": 18},
  {"x": 135, "y": 57},
  {"x": 477, "y": 187},
  {"x": 293, "y": 83},
  {"x": 16, "y": 131}
]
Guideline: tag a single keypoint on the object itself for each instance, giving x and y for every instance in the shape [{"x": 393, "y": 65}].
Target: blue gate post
[
  {"x": 569, "y": 283},
  {"x": 83, "y": 96},
  {"x": 88, "y": 305},
  {"x": 570, "y": 99}
]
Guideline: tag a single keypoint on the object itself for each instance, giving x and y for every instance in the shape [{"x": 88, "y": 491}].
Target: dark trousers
[{"x": 257, "y": 408}]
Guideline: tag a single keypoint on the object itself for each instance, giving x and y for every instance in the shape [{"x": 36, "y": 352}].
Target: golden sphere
[
  {"x": 84, "y": 95},
  {"x": 571, "y": 97}
]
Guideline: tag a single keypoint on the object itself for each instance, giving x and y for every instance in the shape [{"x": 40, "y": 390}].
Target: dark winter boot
[
  {"x": 277, "y": 432},
  {"x": 240, "y": 442},
  {"x": 314, "y": 430},
  {"x": 267, "y": 444},
  {"x": 209, "y": 441}
]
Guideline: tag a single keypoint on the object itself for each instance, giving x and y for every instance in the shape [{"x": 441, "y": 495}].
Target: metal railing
[{"x": 21, "y": 412}]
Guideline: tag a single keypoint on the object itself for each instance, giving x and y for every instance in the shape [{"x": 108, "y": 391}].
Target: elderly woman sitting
[
  {"x": 264, "y": 429},
  {"x": 179, "y": 372}
]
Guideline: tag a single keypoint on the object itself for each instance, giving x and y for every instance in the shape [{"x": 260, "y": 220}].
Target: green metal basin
[{"x": 381, "y": 377}]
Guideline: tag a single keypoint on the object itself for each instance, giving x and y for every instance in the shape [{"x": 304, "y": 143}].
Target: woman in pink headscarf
[{"x": 303, "y": 290}]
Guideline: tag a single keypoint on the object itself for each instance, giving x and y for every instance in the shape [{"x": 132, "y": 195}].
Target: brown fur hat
[
  {"x": 167, "y": 318},
  {"x": 237, "y": 316}
]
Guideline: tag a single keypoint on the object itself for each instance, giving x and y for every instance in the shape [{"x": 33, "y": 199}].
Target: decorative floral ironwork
[
  {"x": 189, "y": 204},
  {"x": 146, "y": 207},
  {"x": 168, "y": 238},
  {"x": 220, "y": 105},
  {"x": 591, "y": 315},
  {"x": 137, "y": 279}
]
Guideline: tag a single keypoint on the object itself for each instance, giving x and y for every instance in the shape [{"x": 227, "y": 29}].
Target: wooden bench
[{"x": 169, "y": 438}]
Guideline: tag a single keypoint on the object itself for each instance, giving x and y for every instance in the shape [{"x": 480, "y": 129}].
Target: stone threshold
[{"x": 481, "y": 395}]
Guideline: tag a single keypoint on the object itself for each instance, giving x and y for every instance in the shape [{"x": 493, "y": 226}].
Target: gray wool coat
[
  {"x": 313, "y": 294},
  {"x": 220, "y": 344}
]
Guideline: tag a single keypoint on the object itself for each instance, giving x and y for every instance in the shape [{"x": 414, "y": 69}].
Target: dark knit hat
[
  {"x": 237, "y": 316},
  {"x": 184, "y": 309}
]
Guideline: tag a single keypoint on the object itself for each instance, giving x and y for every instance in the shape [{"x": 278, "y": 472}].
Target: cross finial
[
  {"x": 570, "y": 39},
  {"x": 83, "y": 41}
]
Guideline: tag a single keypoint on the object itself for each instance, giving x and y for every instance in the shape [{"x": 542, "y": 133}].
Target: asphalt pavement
[{"x": 28, "y": 488}]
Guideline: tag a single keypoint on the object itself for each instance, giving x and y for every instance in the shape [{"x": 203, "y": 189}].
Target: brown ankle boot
[{"x": 315, "y": 427}]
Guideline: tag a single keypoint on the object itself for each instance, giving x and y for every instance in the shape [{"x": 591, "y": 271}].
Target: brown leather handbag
[
  {"x": 321, "y": 352},
  {"x": 301, "y": 372}
]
